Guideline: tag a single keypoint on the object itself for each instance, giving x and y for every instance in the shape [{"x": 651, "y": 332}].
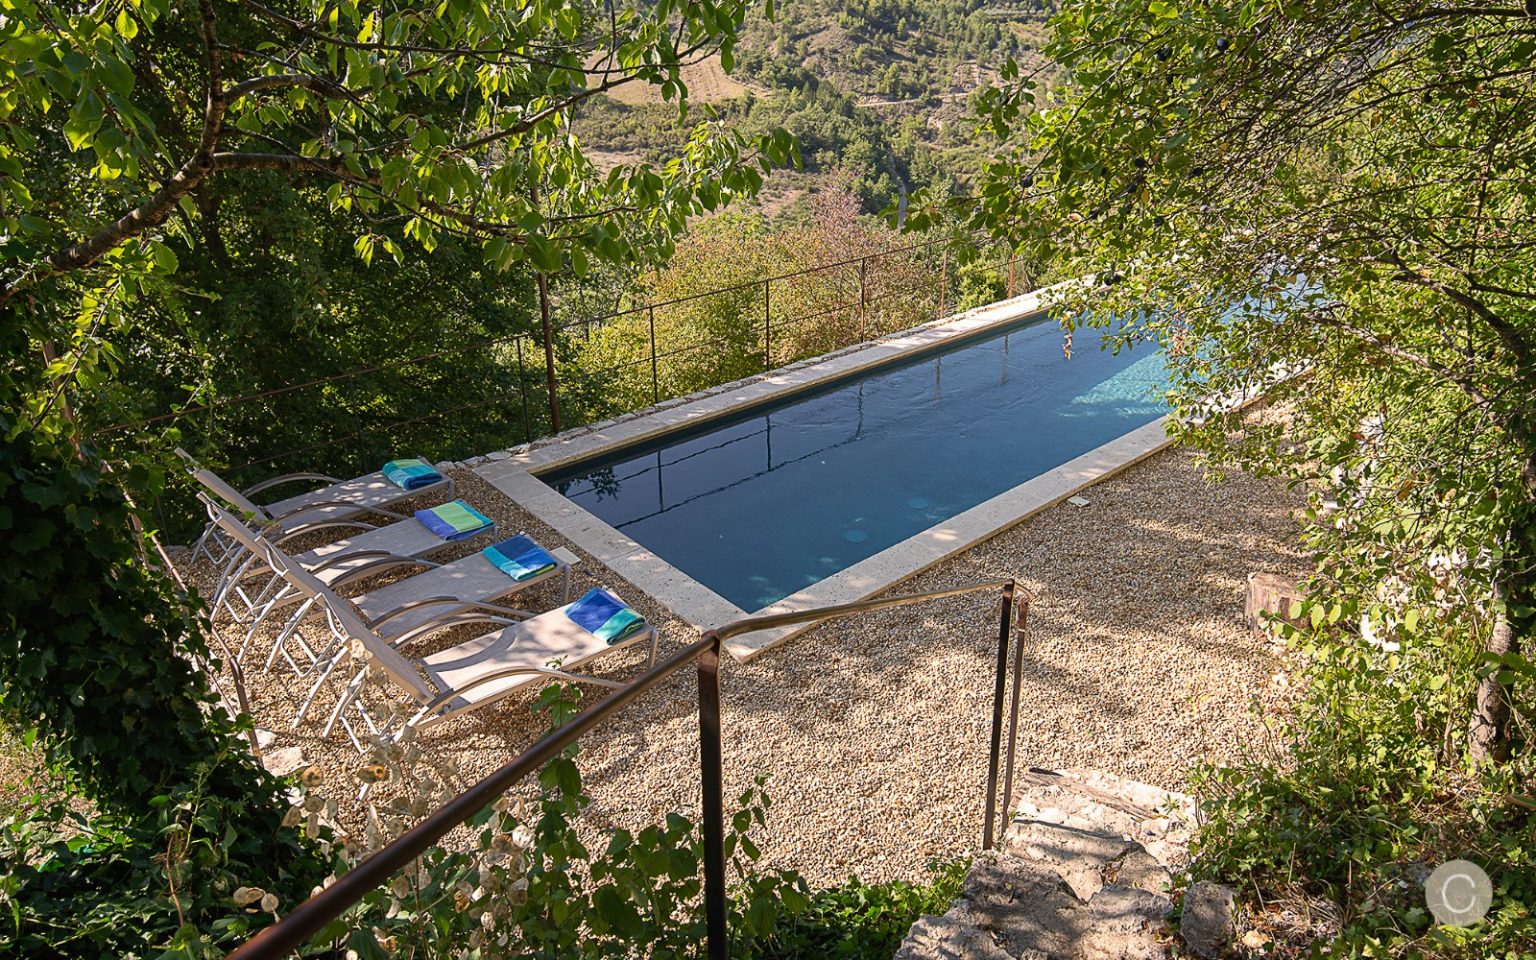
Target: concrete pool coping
[{"x": 515, "y": 474}]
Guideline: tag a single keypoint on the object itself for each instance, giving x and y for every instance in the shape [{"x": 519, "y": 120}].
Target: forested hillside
[{"x": 876, "y": 91}]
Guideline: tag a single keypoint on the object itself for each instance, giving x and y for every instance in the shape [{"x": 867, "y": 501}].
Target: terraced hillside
[{"x": 877, "y": 91}]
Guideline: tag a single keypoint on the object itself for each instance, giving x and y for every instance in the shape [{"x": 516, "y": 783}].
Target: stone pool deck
[{"x": 873, "y": 731}]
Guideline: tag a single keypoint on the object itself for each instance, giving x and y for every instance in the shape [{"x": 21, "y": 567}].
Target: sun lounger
[
  {"x": 338, "y": 504},
  {"x": 366, "y": 554},
  {"x": 396, "y": 609},
  {"x": 465, "y": 677},
  {"x": 476, "y": 673}
]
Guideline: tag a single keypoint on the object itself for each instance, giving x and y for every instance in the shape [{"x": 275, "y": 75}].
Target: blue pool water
[{"x": 770, "y": 500}]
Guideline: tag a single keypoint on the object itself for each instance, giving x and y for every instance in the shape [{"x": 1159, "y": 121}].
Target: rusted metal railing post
[
  {"x": 655, "y": 380},
  {"x": 767, "y": 331},
  {"x": 711, "y": 782},
  {"x": 863, "y": 300},
  {"x": 1020, "y": 630},
  {"x": 1004, "y": 634},
  {"x": 551, "y": 383},
  {"x": 943, "y": 281}
]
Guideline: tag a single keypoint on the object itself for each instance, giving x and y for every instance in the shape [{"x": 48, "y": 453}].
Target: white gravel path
[{"x": 874, "y": 731}]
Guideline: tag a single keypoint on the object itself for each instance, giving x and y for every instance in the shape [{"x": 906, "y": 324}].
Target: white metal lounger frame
[
  {"x": 277, "y": 593},
  {"x": 433, "y": 706},
  {"x": 290, "y": 572},
  {"x": 235, "y": 564},
  {"x": 455, "y": 603},
  {"x": 241, "y": 567},
  {"x": 292, "y": 519},
  {"x": 243, "y": 558},
  {"x": 294, "y": 574}
]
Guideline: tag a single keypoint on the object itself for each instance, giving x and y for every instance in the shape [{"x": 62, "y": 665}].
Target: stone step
[
  {"x": 1094, "y": 828},
  {"x": 1012, "y": 909},
  {"x": 1084, "y": 873}
]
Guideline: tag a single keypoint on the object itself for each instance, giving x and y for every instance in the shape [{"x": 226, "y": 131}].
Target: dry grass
[
  {"x": 27, "y": 785},
  {"x": 706, "y": 80},
  {"x": 21, "y": 767}
]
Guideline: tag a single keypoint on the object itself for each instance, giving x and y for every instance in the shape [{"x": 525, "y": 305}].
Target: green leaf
[
  {"x": 543, "y": 254},
  {"x": 617, "y": 913},
  {"x": 164, "y": 258},
  {"x": 567, "y": 777},
  {"x": 568, "y": 22},
  {"x": 84, "y": 120}
]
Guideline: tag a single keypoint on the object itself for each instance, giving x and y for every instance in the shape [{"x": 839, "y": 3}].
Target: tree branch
[
  {"x": 1508, "y": 334},
  {"x": 1374, "y": 341},
  {"x": 275, "y": 81}
]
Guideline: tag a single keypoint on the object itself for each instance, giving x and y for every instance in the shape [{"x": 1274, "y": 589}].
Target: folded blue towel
[
  {"x": 602, "y": 615},
  {"x": 520, "y": 558},
  {"x": 411, "y": 474},
  {"x": 454, "y": 521}
]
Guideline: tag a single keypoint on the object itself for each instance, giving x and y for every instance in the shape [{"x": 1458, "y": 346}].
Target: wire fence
[{"x": 491, "y": 393}]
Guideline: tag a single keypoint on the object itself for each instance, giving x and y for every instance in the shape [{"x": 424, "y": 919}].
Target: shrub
[
  {"x": 1359, "y": 805},
  {"x": 153, "y": 883},
  {"x": 96, "y": 665},
  {"x": 96, "y": 648},
  {"x": 858, "y": 921},
  {"x": 526, "y": 885}
]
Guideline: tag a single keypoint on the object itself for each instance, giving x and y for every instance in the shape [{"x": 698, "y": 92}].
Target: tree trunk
[
  {"x": 550, "y": 382},
  {"x": 208, "y": 222},
  {"x": 1488, "y": 737},
  {"x": 1514, "y": 603}
]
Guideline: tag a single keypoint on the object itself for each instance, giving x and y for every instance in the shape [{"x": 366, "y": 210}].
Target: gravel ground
[{"x": 874, "y": 731}]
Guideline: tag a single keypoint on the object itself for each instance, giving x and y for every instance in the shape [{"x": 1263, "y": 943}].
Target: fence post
[
  {"x": 863, "y": 299},
  {"x": 551, "y": 384},
  {"x": 655, "y": 381},
  {"x": 1011, "y": 261},
  {"x": 712, "y": 785},
  {"x": 1020, "y": 629},
  {"x": 943, "y": 281},
  {"x": 767, "y": 332},
  {"x": 522, "y": 390}
]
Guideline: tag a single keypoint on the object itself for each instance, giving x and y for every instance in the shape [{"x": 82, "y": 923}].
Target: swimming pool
[{"x": 768, "y": 500}]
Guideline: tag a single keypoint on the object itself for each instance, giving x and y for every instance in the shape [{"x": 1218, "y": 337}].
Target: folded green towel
[
  {"x": 411, "y": 474},
  {"x": 454, "y": 521}
]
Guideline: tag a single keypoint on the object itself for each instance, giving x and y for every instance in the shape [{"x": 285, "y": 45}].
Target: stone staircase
[{"x": 1084, "y": 873}]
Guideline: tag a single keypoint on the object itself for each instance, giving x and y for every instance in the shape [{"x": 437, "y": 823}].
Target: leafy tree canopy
[
  {"x": 1334, "y": 203},
  {"x": 418, "y": 120},
  {"x": 163, "y": 156}
]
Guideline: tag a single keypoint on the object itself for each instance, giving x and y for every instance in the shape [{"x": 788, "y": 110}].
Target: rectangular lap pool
[{"x": 763, "y": 502}]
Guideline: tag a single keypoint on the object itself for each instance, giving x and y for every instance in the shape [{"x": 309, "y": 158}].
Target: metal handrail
[
  {"x": 483, "y": 343},
  {"x": 519, "y": 393},
  {"x": 517, "y": 339},
  {"x": 311, "y": 916}
]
